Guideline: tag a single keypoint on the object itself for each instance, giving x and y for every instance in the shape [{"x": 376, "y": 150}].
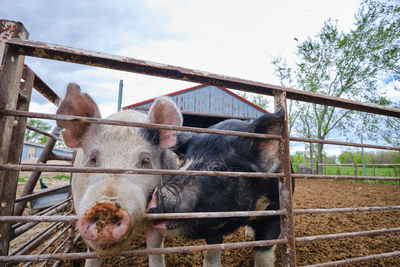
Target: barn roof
[{"x": 205, "y": 105}]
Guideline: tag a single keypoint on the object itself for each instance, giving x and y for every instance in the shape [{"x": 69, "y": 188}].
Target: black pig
[{"x": 213, "y": 152}]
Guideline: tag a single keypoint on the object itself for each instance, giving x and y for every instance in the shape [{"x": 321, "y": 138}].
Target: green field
[{"x": 349, "y": 170}]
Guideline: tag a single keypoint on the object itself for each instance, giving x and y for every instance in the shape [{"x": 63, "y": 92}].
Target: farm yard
[
  {"x": 309, "y": 194},
  {"x": 341, "y": 87}
]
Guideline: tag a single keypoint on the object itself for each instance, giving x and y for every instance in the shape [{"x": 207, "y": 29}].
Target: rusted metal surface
[
  {"x": 344, "y": 177},
  {"x": 50, "y": 243},
  {"x": 331, "y": 142},
  {"x": 356, "y": 260},
  {"x": 343, "y": 235},
  {"x": 40, "y": 213},
  {"x": 182, "y": 128},
  {"x": 134, "y": 124},
  {"x": 342, "y": 210},
  {"x": 92, "y": 58},
  {"x": 34, "y": 177},
  {"x": 285, "y": 188},
  {"x": 139, "y": 171},
  {"x": 45, "y": 90},
  {"x": 191, "y": 215},
  {"x": 183, "y": 249},
  {"x": 36, "y": 241},
  {"x": 43, "y": 192},
  {"x": 10, "y": 81},
  {"x": 22, "y": 229},
  {"x": 8, "y": 30}
]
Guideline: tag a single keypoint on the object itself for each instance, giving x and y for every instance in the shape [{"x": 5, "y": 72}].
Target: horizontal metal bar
[
  {"x": 183, "y": 249},
  {"x": 33, "y": 242},
  {"x": 93, "y": 58},
  {"x": 344, "y": 177},
  {"x": 184, "y": 128},
  {"x": 133, "y": 124},
  {"x": 43, "y": 192},
  {"x": 12, "y": 167},
  {"x": 43, "y": 132},
  {"x": 356, "y": 260},
  {"x": 191, "y": 215},
  {"x": 331, "y": 142},
  {"x": 38, "y": 218},
  {"x": 342, "y": 210},
  {"x": 343, "y": 235},
  {"x": 25, "y": 227},
  {"x": 221, "y": 214}
]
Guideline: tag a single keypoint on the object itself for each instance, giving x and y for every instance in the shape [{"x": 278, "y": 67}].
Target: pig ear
[
  {"x": 164, "y": 111},
  {"x": 79, "y": 104},
  {"x": 182, "y": 143},
  {"x": 271, "y": 123}
]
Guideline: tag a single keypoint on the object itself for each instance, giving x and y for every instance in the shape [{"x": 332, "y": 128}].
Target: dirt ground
[{"x": 308, "y": 194}]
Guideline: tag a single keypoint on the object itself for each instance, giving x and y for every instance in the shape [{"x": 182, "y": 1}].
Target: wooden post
[{"x": 11, "y": 130}]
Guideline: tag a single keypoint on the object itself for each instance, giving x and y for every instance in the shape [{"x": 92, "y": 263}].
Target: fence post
[
  {"x": 10, "y": 82},
  {"x": 285, "y": 190}
]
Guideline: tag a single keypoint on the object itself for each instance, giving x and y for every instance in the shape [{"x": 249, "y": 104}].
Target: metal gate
[{"x": 14, "y": 103}]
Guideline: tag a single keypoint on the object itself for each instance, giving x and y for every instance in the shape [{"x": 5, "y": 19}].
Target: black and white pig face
[{"x": 111, "y": 206}]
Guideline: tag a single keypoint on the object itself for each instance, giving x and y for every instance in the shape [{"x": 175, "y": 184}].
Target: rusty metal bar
[
  {"x": 183, "y": 249},
  {"x": 32, "y": 243},
  {"x": 342, "y": 210},
  {"x": 43, "y": 212},
  {"x": 57, "y": 249},
  {"x": 92, "y": 58},
  {"x": 54, "y": 239},
  {"x": 44, "y": 89},
  {"x": 331, "y": 142},
  {"x": 43, "y": 132},
  {"x": 191, "y": 215},
  {"x": 34, "y": 177},
  {"x": 285, "y": 188},
  {"x": 55, "y": 156},
  {"x": 343, "y": 235},
  {"x": 22, "y": 229},
  {"x": 185, "y": 128},
  {"x": 139, "y": 171},
  {"x": 134, "y": 124},
  {"x": 57, "y": 263},
  {"x": 344, "y": 177},
  {"x": 43, "y": 192},
  {"x": 356, "y": 260},
  {"x": 12, "y": 98}
]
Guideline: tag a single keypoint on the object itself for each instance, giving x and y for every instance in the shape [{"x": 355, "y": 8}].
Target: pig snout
[{"x": 104, "y": 224}]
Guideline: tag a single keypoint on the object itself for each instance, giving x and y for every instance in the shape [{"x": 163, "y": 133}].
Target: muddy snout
[{"x": 104, "y": 224}]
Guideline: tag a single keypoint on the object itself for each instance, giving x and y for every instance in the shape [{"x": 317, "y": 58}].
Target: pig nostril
[{"x": 116, "y": 220}]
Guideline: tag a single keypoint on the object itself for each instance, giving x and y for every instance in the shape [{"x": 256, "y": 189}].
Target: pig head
[{"x": 111, "y": 206}]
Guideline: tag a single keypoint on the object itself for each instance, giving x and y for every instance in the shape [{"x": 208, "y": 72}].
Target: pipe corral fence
[{"x": 16, "y": 83}]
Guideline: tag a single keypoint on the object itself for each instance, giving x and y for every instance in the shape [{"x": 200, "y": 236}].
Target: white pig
[{"x": 111, "y": 206}]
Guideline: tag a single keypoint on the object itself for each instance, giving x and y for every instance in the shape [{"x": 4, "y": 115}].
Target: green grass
[
  {"x": 61, "y": 176},
  {"x": 380, "y": 171}
]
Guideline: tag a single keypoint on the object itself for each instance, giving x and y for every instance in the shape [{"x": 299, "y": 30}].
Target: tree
[
  {"x": 346, "y": 157},
  {"x": 258, "y": 100},
  {"x": 345, "y": 64},
  {"x": 35, "y": 137}
]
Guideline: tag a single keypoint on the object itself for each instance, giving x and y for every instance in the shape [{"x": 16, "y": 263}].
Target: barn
[{"x": 205, "y": 105}]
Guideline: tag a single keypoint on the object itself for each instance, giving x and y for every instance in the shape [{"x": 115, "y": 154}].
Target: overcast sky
[{"x": 235, "y": 38}]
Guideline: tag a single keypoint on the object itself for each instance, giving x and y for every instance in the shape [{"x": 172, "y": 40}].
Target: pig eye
[
  {"x": 93, "y": 160},
  {"x": 146, "y": 163}
]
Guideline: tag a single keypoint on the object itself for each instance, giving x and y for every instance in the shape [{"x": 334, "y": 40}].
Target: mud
[{"x": 308, "y": 194}]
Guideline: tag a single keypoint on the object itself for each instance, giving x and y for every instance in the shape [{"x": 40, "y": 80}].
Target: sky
[{"x": 234, "y": 38}]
